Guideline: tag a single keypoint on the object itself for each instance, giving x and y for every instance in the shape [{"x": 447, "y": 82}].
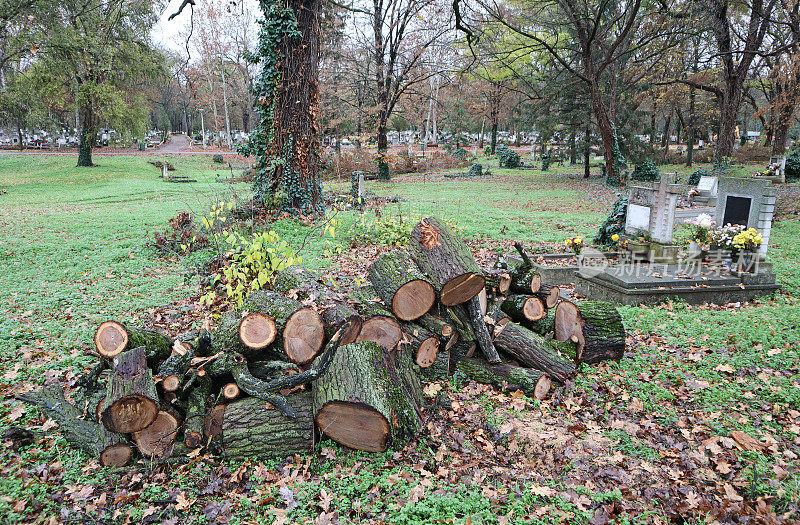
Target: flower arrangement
[
  {"x": 575, "y": 243},
  {"x": 722, "y": 238},
  {"x": 701, "y": 227},
  {"x": 748, "y": 239}
]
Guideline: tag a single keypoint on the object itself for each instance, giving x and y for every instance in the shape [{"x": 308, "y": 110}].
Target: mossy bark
[
  {"x": 196, "y": 408},
  {"x": 519, "y": 309},
  {"x": 525, "y": 281},
  {"x": 446, "y": 260},
  {"x": 602, "y": 335},
  {"x": 365, "y": 375},
  {"x": 131, "y": 401},
  {"x": 533, "y": 350},
  {"x": 510, "y": 377},
  {"x": 545, "y": 325},
  {"x": 251, "y": 430},
  {"x": 159, "y": 346},
  {"x": 87, "y": 436},
  {"x": 401, "y": 285}
]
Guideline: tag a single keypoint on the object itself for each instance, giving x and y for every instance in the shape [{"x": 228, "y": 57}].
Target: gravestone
[
  {"x": 357, "y": 184},
  {"x": 708, "y": 187},
  {"x": 749, "y": 202},
  {"x": 651, "y": 209}
]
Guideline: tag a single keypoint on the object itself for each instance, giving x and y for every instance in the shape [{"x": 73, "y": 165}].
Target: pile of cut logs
[{"x": 302, "y": 359}]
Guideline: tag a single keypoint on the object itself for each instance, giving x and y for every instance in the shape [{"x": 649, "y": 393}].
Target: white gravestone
[
  {"x": 638, "y": 219},
  {"x": 708, "y": 185},
  {"x": 660, "y": 199}
]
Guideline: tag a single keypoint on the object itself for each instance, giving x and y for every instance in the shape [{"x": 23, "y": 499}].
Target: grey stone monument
[
  {"x": 357, "y": 184},
  {"x": 651, "y": 209},
  {"x": 749, "y": 202}
]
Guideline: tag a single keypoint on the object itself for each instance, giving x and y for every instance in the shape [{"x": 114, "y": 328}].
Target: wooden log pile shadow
[{"x": 302, "y": 361}]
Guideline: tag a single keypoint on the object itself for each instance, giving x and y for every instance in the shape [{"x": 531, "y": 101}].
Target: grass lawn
[{"x": 644, "y": 440}]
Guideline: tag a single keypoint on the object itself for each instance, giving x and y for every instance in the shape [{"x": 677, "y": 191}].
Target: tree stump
[{"x": 595, "y": 326}]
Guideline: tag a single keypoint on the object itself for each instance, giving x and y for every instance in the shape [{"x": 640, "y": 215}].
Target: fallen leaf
[
  {"x": 16, "y": 412},
  {"x": 747, "y": 442},
  {"x": 184, "y": 503},
  {"x": 731, "y": 493},
  {"x": 724, "y": 368},
  {"x": 546, "y": 492}
]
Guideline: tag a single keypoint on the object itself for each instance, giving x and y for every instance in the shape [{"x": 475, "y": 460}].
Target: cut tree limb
[
  {"x": 401, "y": 285},
  {"x": 112, "y": 338},
  {"x": 251, "y": 430},
  {"x": 302, "y": 332},
  {"x": 359, "y": 402},
  {"x": 196, "y": 405},
  {"x": 423, "y": 344},
  {"x": 549, "y": 294},
  {"x": 482, "y": 336},
  {"x": 525, "y": 282},
  {"x": 131, "y": 402},
  {"x": 595, "y": 326},
  {"x": 446, "y": 260},
  {"x": 533, "y": 383},
  {"x": 498, "y": 281},
  {"x": 533, "y": 350},
  {"x": 524, "y": 308}
]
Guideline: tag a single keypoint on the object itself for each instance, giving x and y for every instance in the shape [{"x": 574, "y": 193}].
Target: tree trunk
[
  {"x": 607, "y": 135},
  {"x": 691, "y": 128},
  {"x": 423, "y": 344},
  {"x": 363, "y": 402},
  {"x": 288, "y": 102},
  {"x": 446, "y": 260},
  {"x": 573, "y": 148},
  {"x": 401, "y": 286},
  {"x": 533, "y": 350},
  {"x": 88, "y": 135},
  {"x": 533, "y": 383},
  {"x": 587, "y": 152},
  {"x": 112, "y": 338},
  {"x": 250, "y": 430},
  {"x": 495, "y": 123}
]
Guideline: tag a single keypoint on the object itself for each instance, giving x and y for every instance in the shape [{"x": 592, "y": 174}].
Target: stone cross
[{"x": 651, "y": 208}]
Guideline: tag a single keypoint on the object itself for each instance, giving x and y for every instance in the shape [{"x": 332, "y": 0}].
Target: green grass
[{"x": 73, "y": 248}]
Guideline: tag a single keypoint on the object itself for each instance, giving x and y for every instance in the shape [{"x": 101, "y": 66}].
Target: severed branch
[{"x": 181, "y": 8}]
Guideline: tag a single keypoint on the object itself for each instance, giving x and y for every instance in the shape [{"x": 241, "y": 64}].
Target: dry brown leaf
[
  {"x": 546, "y": 492},
  {"x": 747, "y": 442},
  {"x": 731, "y": 493}
]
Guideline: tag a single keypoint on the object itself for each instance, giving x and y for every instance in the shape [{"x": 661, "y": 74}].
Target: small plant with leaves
[
  {"x": 701, "y": 227},
  {"x": 508, "y": 158},
  {"x": 253, "y": 263}
]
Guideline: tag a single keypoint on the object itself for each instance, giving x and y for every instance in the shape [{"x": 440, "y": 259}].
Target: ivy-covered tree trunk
[
  {"x": 286, "y": 139},
  {"x": 88, "y": 133}
]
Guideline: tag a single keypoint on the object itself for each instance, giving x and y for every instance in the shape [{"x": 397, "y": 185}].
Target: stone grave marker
[
  {"x": 357, "y": 184},
  {"x": 651, "y": 208},
  {"x": 749, "y": 202}
]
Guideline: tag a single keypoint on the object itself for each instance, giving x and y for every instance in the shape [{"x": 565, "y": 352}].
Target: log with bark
[
  {"x": 446, "y": 260},
  {"x": 549, "y": 294},
  {"x": 595, "y": 326},
  {"x": 112, "y": 338},
  {"x": 533, "y": 350},
  {"x": 523, "y": 308},
  {"x": 498, "y": 281},
  {"x": 379, "y": 326},
  {"x": 301, "y": 329},
  {"x": 88, "y": 436},
  {"x": 477, "y": 320},
  {"x": 131, "y": 401},
  {"x": 401, "y": 285},
  {"x": 525, "y": 282},
  {"x": 423, "y": 344},
  {"x": 360, "y": 403},
  {"x": 533, "y": 383},
  {"x": 545, "y": 325},
  {"x": 250, "y": 428}
]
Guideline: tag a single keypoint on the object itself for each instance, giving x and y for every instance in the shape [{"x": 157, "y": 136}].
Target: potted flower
[
  {"x": 575, "y": 244},
  {"x": 701, "y": 227},
  {"x": 721, "y": 239},
  {"x": 748, "y": 241}
]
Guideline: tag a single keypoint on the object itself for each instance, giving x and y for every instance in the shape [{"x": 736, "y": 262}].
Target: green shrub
[
  {"x": 508, "y": 158},
  {"x": 385, "y": 231},
  {"x": 461, "y": 154},
  {"x": 383, "y": 169},
  {"x": 218, "y": 159},
  {"x": 694, "y": 178},
  {"x": 645, "y": 171},
  {"x": 614, "y": 224},
  {"x": 546, "y": 162},
  {"x": 793, "y": 166},
  {"x": 487, "y": 150}
]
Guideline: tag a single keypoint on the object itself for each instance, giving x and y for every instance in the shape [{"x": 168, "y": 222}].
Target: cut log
[
  {"x": 253, "y": 430},
  {"x": 112, "y": 338},
  {"x": 549, "y": 294},
  {"x": 157, "y": 439},
  {"x": 524, "y": 308},
  {"x": 595, "y": 326},
  {"x": 299, "y": 283},
  {"x": 423, "y": 345},
  {"x": 525, "y": 282},
  {"x": 116, "y": 455},
  {"x": 401, "y": 285},
  {"x": 87, "y": 436},
  {"x": 379, "y": 326},
  {"x": 483, "y": 338},
  {"x": 196, "y": 405},
  {"x": 173, "y": 370},
  {"x": 436, "y": 325},
  {"x": 533, "y": 383},
  {"x": 361, "y": 404},
  {"x": 534, "y": 351},
  {"x": 335, "y": 315},
  {"x": 257, "y": 330},
  {"x": 301, "y": 329},
  {"x": 460, "y": 319},
  {"x": 131, "y": 399},
  {"x": 230, "y": 391},
  {"x": 446, "y": 260},
  {"x": 498, "y": 281}
]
